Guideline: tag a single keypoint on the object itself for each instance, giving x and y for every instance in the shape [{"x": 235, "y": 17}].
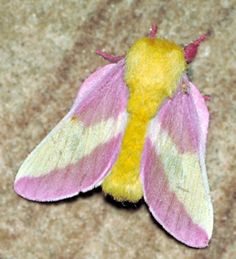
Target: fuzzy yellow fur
[{"x": 153, "y": 69}]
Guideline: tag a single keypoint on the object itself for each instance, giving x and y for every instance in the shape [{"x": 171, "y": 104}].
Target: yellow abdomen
[{"x": 153, "y": 69}]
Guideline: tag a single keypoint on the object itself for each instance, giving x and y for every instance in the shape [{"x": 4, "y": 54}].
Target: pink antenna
[
  {"x": 153, "y": 31},
  {"x": 109, "y": 57},
  {"x": 190, "y": 51}
]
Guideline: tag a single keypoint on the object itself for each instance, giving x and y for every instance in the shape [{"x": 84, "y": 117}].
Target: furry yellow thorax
[{"x": 153, "y": 69}]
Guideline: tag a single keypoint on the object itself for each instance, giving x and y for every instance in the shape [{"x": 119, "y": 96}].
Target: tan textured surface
[{"x": 46, "y": 51}]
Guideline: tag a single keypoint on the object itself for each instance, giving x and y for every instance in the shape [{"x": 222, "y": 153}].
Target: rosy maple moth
[{"x": 138, "y": 126}]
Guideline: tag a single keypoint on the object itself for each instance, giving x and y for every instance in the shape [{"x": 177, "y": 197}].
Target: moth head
[{"x": 155, "y": 64}]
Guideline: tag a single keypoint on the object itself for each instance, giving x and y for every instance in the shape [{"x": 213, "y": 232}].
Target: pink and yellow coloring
[{"x": 138, "y": 127}]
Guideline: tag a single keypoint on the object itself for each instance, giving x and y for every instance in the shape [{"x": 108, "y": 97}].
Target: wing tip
[
  {"x": 197, "y": 238},
  {"x": 23, "y": 191},
  {"x": 20, "y": 190},
  {"x": 202, "y": 242}
]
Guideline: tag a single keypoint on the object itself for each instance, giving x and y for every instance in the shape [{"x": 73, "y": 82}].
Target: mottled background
[{"x": 46, "y": 51}]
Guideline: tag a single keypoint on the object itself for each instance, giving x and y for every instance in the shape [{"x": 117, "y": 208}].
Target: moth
[{"x": 138, "y": 127}]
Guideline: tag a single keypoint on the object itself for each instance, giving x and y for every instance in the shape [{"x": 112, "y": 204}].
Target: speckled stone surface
[{"x": 46, "y": 51}]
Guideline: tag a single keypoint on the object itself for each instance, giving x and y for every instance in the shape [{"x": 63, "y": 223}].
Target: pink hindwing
[
  {"x": 79, "y": 152},
  {"x": 173, "y": 170}
]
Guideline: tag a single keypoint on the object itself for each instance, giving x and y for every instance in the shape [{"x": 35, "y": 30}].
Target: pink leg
[
  {"x": 207, "y": 98},
  {"x": 109, "y": 57},
  {"x": 153, "y": 31}
]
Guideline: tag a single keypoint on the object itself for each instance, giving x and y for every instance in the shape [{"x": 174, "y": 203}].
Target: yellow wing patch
[{"x": 68, "y": 142}]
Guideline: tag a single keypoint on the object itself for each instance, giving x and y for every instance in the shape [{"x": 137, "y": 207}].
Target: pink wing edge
[
  {"x": 88, "y": 172},
  {"x": 151, "y": 164}
]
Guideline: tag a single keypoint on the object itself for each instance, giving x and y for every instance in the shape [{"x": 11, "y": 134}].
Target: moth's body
[{"x": 153, "y": 69}]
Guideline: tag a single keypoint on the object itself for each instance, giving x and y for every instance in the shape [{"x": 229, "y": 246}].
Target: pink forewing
[
  {"x": 183, "y": 121},
  {"x": 101, "y": 101}
]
